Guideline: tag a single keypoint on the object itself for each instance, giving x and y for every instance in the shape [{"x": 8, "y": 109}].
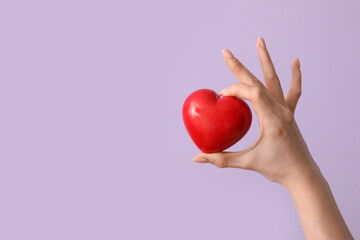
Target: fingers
[
  {"x": 294, "y": 93},
  {"x": 242, "y": 159},
  {"x": 254, "y": 94},
  {"x": 241, "y": 91},
  {"x": 271, "y": 79},
  {"x": 240, "y": 71}
]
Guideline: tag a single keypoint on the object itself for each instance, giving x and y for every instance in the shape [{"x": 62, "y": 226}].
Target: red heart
[{"x": 215, "y": 123}]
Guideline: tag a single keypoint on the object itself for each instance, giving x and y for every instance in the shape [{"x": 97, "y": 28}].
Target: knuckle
[
  {"x": 272, "y": 80},
  {"x": 235, "y": 65},
  {"x": 296, "y": 92},
  {"x": 289, "y": 116},
  {"x": 221, "y": 162},
  {"x": 257, "y": 93},
  {"x": 234, "y": 86},
  {"x": 279, "y": 125}
]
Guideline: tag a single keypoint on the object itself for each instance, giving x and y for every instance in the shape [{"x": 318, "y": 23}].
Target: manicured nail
[
  {"x": 227, "y": 53},
  {"x": 222, "y": 92},
  {"x": 262, "y": 42},
  {"x": 298, "y": 62},
  {"x": 200, "y": 160}
]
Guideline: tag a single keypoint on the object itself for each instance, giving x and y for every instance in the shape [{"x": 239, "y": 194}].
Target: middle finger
[{"x": 270, "y": 77}]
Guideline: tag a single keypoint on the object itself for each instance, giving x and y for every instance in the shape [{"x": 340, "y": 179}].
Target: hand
[{"x": 280, "y": 152}]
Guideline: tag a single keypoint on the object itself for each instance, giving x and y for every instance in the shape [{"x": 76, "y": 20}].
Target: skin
[{"x": 280, "y": 153}]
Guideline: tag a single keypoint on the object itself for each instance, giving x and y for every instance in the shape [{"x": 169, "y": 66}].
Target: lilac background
[{"x": 92, "y": 144}]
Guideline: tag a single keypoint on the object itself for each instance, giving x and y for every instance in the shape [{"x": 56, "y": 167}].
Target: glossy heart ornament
[{"x": 215, "y": 123}]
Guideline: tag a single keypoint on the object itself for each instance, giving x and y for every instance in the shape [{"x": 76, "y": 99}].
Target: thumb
[{"x": 242, "y": 159}]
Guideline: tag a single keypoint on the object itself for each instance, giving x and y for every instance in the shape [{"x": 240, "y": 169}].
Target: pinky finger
[{"x": 294, "y": 93}]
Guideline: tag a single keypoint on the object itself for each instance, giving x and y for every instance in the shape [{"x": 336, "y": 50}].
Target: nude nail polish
[
  {"x": 227, "y": 53},
  {"x": 200, "y": 160},
  {"x": 262, "y": 42}
]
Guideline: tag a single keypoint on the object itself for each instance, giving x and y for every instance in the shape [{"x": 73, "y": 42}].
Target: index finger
[{"x": 240, "y": 71}]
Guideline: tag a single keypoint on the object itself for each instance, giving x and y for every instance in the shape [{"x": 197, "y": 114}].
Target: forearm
[{"x": 318, "y": 212}]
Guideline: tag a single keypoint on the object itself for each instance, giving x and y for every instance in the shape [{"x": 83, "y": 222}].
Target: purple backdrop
[{"x": 92, "y": 144}]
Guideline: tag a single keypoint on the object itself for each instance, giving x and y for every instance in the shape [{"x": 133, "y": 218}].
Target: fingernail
[
  {"x": 298, "y": 62},
  {"x": 200, "y": 160},
  {"x": 262, "y": 42},
  {"x": 222, "y": 92},
  {"x": 227, "y": 53}
]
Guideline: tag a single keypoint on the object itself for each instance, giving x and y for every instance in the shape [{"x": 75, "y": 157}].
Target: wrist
[
  {"x": 308, "y": 184},
  {"x": 305, "y": 177}
]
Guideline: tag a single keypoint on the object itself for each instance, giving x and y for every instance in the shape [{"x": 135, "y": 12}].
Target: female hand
[{"x": 280, "y": 152}]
